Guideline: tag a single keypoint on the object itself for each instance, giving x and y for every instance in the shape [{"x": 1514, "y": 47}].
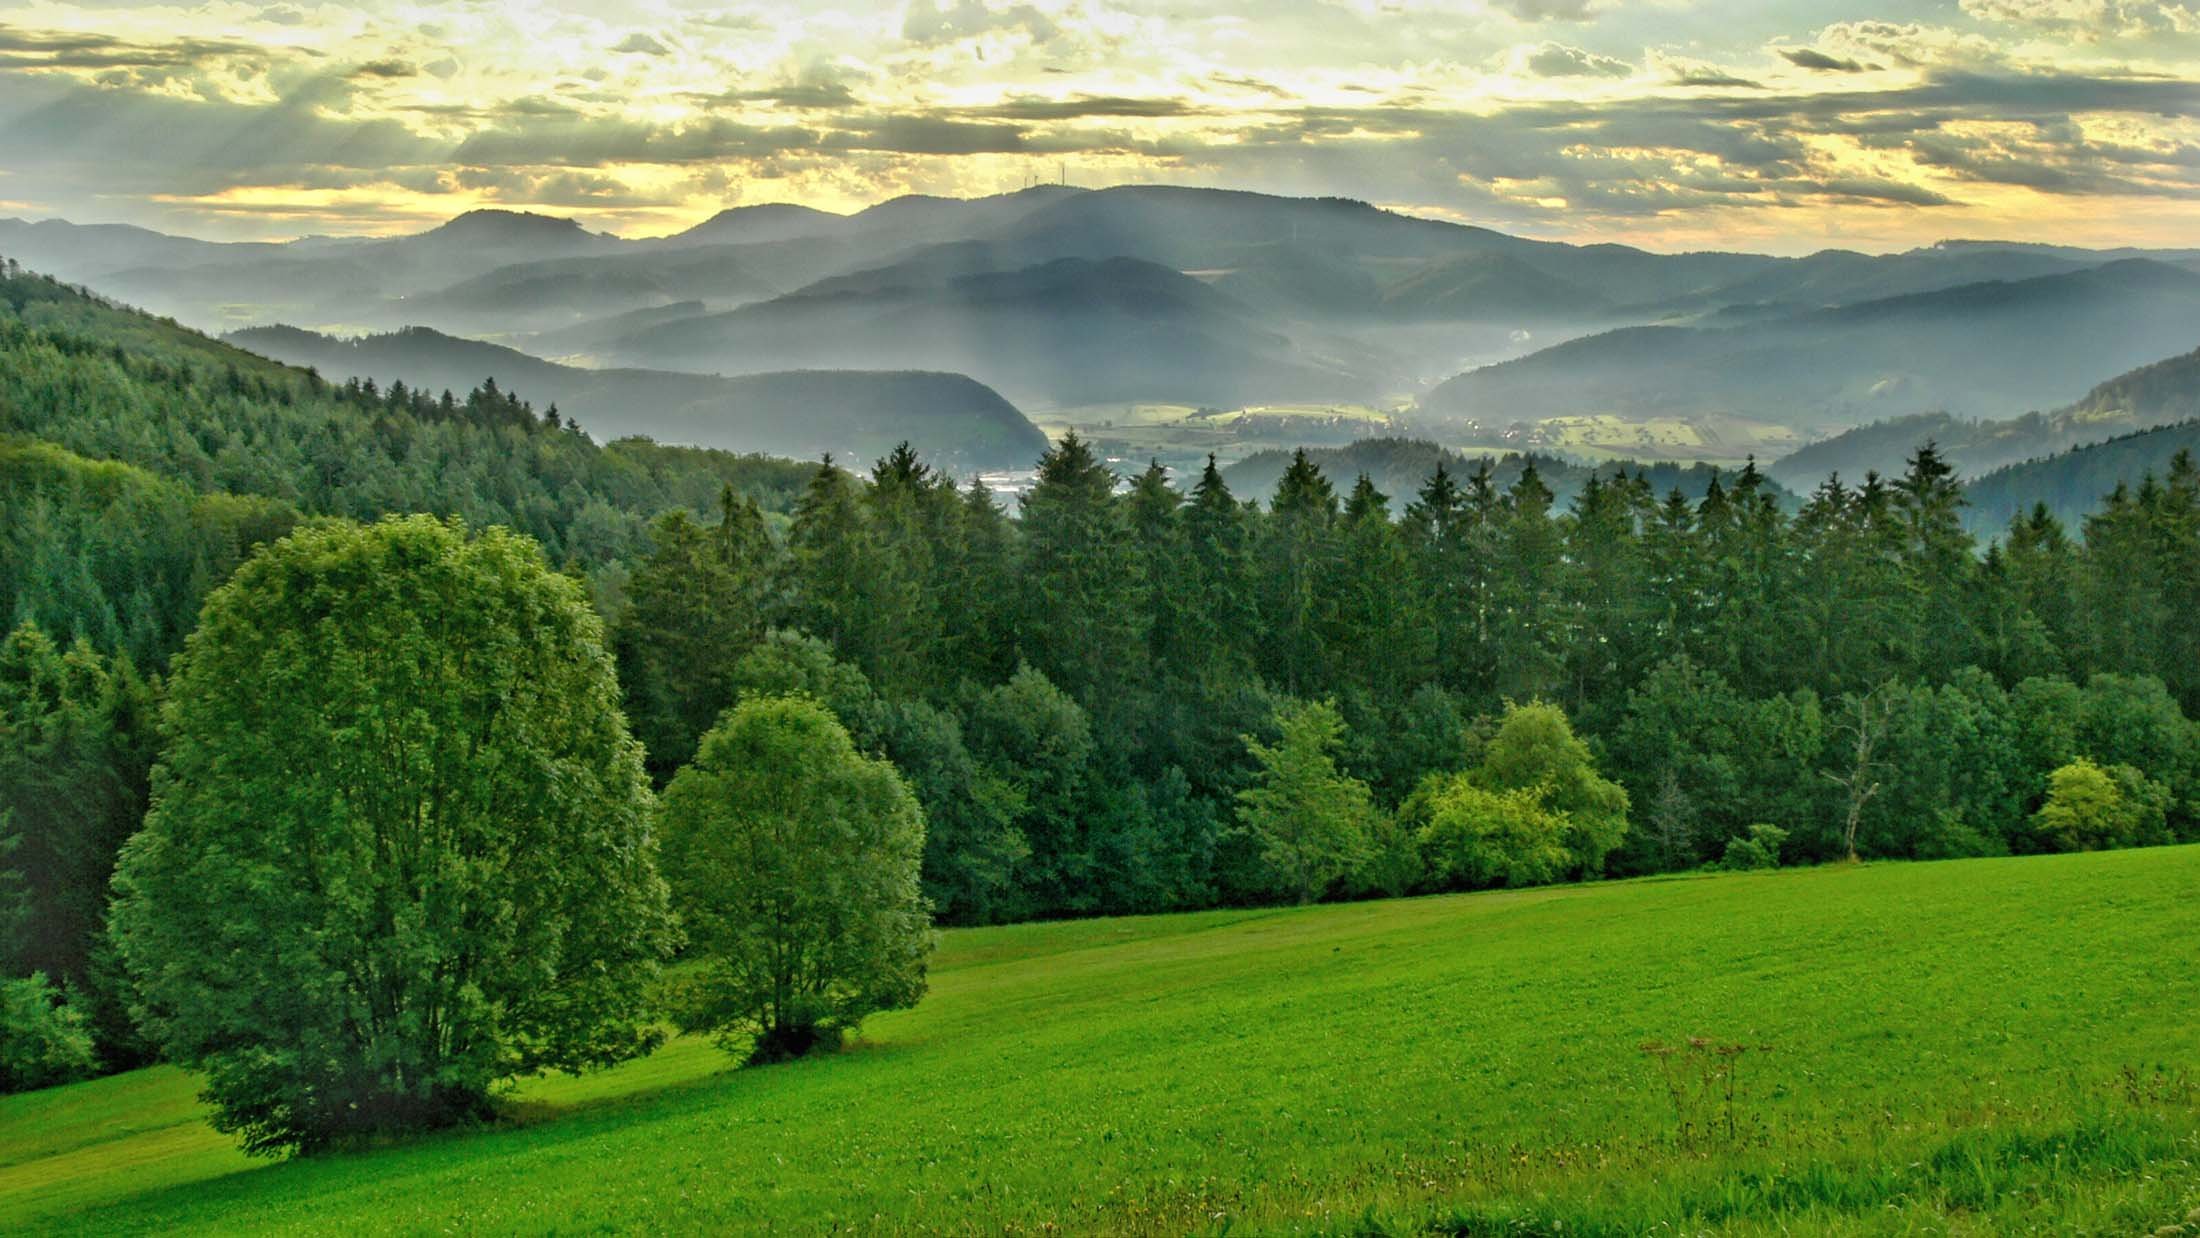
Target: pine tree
[
  {"x": 695, "y": 606},
  {"x": 1298, "y": 555},
  {"x": 1080, "y": 583}
]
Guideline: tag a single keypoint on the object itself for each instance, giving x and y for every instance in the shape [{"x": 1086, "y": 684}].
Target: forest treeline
[
  {"x": 1137, "y": 695},
  {"x": 1071, "y": 691},
  {"x": 144, "y": 459}
]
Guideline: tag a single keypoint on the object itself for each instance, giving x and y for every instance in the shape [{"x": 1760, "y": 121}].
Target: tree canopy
[
  {"x": 793, "y": 860},
  {"x": 399, "y": 849}
]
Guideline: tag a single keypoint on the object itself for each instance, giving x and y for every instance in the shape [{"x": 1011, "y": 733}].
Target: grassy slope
[{"x": 1945, "y": 1048}]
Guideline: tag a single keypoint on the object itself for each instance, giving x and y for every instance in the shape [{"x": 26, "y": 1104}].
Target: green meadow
[{"x": 1981, "y": 1046}]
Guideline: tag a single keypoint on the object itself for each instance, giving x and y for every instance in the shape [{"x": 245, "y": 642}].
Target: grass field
[{"x": 1985, "y": 1046}]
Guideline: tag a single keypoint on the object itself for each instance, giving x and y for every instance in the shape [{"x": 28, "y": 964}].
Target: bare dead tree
[{"x": 1865, "y": 726}]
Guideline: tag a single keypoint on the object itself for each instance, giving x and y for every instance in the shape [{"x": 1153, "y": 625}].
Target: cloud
[
  {"x": 1818, "y": 61},
  {"x": 1695, "y": 73},
  {"x": 930, "y": 23},
  {"x": 1550, "y": 10},
  {"x": 1395, "y": 101},
  {"x": 1560, "y": 60},
  {"x": 926, "y": 135},
  {"x": 1874, "y": 189},
  {"x": 28, "y": 49},
  {"x": 2089, "y": 20},
  {"x": 1079, "y": 106}
]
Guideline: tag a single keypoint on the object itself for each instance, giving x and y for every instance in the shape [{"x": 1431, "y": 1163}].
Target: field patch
[{"x": 1987, "y": 1045}]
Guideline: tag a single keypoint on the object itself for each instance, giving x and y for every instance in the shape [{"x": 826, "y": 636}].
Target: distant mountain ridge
[
  {"x": 857, "y": 414},
  {"x": 1072, "y": 331},
  {"x": 1972, "y": 350},
  {"x": 2151, "y": 395},
  {"x": 2073, "y": 483}
]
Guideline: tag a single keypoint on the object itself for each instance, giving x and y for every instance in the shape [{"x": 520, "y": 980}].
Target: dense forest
[{"x": 1135, "y": 695}]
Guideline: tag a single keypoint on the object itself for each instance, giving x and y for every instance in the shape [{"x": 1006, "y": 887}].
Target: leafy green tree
[
  {"x": 788, "y": 663},
  {"x": 1152, "y": 845},
  {"x": 1034, "y": 746},
  {"x": 43, "y": 1041},
  {"x": 974, "y": 851},
  {"x": 794, "y": 864},
  {"x": 1474, "y": 836},
  {"x": 2133, "y": 720},
  {"x": 2089, "y": 808},
  {"x": 1309, "y": 820},
  {"x": 1760, "y": 848},
  {"x": 1535, "y": 750},
  {"x": 399, "y": 849}
]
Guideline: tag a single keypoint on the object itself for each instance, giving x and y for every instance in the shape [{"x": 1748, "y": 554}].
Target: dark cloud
[
  {"x": 579, "y": 140},
  {"x": 31, "y": 49},
  {"x": 1704, "y": 75},
  {"x": 1078, "y": 106},
  {"x": 1812, "y": 58},
  {"x": 1550, "y": 10},
  {"x": 1245, "y": 83},
  {"x": 101, "y": 141},
  {"x": 929, "y": 135},
  {"x": 1877, "y": 190},
  {"x": 385, "y": 69},
  {"x": 640, "y": 44}
]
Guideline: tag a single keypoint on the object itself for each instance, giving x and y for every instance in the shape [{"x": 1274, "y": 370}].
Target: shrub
[
  {"x": 1477, "y": 837},
  {"x": 2089, "y": 808},
  {"x": 43, "y": 1042},
  {"x": 1760, "y": 848}
]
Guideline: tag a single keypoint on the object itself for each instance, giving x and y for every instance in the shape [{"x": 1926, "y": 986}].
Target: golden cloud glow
[{"x": 1665, "y": 124}]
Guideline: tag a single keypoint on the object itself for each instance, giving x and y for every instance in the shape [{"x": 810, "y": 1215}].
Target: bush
[
  {"x": 43, "y": 1042},
  {"x": 2089, "y": 808},
  {"x": 1476, "y": 837},
  {"x": 399, "y": 849},
  {"x": 794, "y": 862},
  {"x": 1533, "y": 810},
  {"x": 1759, "y": 849}
]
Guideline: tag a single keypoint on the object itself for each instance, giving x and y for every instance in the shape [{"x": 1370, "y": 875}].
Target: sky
[{"x": 1776, "y": 125}]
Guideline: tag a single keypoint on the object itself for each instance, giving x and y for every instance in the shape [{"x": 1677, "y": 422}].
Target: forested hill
[
  {"x": 953, "y": 420},
  {"x": 2074, "y": 483},
  {"x": 2162, "y": 393},
  {"x": 143, "y": 460},
  {"x": 1398, "y": 467}
]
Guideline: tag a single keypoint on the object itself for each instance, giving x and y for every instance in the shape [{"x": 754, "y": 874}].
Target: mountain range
[{"x": 1062, "y": 299}]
